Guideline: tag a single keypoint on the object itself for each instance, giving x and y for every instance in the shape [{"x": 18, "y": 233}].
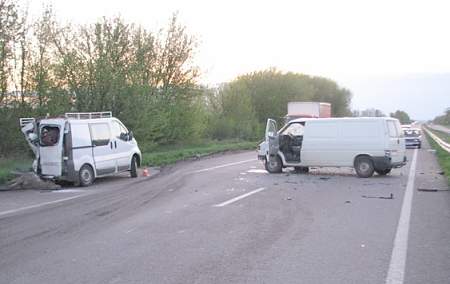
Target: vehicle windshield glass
[
  {"x": 49, "y": 135},
  {"x": 411, "y": 132},
  {"x": 295, "y": 129}
]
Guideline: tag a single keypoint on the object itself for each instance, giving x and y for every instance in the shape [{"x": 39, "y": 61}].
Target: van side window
[
  {"x": 49, "y": 135},
  {"x": 100, "y": 134},
  {"x": 119, "y": 131},
  {"x": 392, "y": 129}
]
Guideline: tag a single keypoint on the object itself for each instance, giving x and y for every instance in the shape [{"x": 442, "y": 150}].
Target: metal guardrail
[{"x": 442, "y": 143}]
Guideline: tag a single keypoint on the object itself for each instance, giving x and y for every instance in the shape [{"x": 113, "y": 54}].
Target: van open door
[
  {"x": 272, "y": 137},
  {"x": 273, "y": 162},
  {"x": 50, "y": 149}
]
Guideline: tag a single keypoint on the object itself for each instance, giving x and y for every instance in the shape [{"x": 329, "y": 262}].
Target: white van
[
  {"x": 372, "y": 144},
  {"x": 81, "y": 146}
]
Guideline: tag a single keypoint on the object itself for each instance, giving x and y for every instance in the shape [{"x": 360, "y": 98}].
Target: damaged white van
[
  {"x": 80, "y": 147},
  {"x": 372, "y": 144}
]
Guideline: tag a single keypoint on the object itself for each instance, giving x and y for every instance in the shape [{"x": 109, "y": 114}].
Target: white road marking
[
  {"x": 396, "y": 273},
  {"x": 239, "y": 197},
  {"x": 257, "y": 171},
  {"x": 223, "y": 166},
  {"x": 38, "y": 205}
]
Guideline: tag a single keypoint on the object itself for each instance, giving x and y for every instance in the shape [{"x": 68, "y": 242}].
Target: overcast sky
[{"x": 348, "y": 41}]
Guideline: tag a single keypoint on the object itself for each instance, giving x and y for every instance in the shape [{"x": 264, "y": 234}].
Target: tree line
[{"x": 148, "y": 79}]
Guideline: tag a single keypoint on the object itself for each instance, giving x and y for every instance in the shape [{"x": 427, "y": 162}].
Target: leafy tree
[{"x": 402, "y": 116}]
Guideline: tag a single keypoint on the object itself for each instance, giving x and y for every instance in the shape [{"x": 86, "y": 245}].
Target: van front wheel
[
  {"x": 383, "y": 172},
  {"x": 273, "y": 165},
  {"x": 133, "y": 167},
  {"x": 364, "y": 167}
]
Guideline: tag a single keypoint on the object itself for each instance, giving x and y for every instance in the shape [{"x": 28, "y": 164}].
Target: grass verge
[
  {"x": 443, "y": 157},
  {"x": 168, "y": 155},
  {"x": 10, "y": 164}
]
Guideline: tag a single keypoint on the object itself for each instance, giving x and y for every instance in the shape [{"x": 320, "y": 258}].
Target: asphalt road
[{"x": 225, "y": 220}]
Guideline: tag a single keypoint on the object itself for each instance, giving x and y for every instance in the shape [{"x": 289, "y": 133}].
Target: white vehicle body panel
[
  {"x": 81, "y": 141},
  {"x": 338, "y": 141}
]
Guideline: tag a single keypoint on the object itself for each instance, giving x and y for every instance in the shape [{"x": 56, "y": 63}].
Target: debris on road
[
  {"x": 324, "y": 178},
  {"x": 431, "y": 189},
  {"x": 31, "y": 181},
  {"x": 348, "y": 201},
  {"x": 289, "y": 198},
  {"x": 391, "y": 196}
]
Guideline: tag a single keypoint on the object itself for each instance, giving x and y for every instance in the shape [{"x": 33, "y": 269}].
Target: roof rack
[
  {"x": 25, "y": 120},
  {"x": 88, "y": 115}
]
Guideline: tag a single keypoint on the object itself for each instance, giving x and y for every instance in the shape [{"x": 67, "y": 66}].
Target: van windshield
[{"x": 49, "y": 135}]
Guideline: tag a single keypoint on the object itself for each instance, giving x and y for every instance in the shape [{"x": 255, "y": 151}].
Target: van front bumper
[{"x": 383, "y": 163}]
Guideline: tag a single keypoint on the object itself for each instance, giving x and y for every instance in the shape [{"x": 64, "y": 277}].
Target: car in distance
[{"x": 413, "y": 137}]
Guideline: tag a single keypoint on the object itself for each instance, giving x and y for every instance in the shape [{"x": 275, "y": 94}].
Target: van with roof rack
[{"x": 79, "y": 147}]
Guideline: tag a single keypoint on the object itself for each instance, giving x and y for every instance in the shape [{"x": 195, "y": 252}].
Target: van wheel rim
[
  {"x": 364, "y": 167},
  {"x": 86, "y": 175}
]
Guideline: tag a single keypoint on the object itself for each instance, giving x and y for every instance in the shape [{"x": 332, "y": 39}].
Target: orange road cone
[{"x": 145, "y": 173}]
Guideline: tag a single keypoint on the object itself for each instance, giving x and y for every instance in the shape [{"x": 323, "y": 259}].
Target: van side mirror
[{"x": 130, "y": 135}]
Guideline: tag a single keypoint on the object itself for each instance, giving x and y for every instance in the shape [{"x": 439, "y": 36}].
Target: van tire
[
  {"x": 274, "y": 165},
  {"x": 133, "y": 167},
  {"x": 383, "y": 172},
  {"x": 364, "y": 166},
  {"x": 86, "y": 175}
]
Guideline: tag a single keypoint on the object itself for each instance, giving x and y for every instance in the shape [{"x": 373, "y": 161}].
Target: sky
[{"x": 366, "y": 46}]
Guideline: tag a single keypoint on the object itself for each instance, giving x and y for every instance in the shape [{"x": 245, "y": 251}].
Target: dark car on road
[{"x": 413, "y": 137}]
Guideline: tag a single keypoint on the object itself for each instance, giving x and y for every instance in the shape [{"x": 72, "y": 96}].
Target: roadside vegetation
[
  {"x": 443, "y": 119},
  {"x": 442, "y": 155},
  {"x": 148, "y": 79}
]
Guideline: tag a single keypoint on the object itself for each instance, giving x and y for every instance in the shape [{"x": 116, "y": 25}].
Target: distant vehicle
[
  {"x": 80, "y": 147},
  {"x": 307, "y": 109},
  {"x": 413, "y": 137},
  {"x": 369, "y": 145},
  {"x": 406, "y": 126}
]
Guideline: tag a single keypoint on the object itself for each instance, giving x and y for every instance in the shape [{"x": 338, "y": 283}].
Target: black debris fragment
[
  {"x": 391, "y": 196},
  {"x": 431, "y": 189},
  {"x": 324, "y": 178}
]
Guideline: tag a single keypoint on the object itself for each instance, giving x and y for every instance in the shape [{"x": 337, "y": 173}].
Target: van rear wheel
[
  {"x": 274, "y": 165},
  {"x": 364, "y": 167},
  {"x": 86, "y": 175}
]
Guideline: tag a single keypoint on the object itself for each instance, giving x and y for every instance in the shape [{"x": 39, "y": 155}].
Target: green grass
[
  {"x": 10, "y": 164},
  {"x": 161, "y": 156},
  {"x": 443, "y": 157}
]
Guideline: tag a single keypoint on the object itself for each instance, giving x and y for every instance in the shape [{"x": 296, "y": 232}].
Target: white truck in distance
[
  {"x": 307, "y": 109},
  {"x": 367, "y": 144},
  {"x": 80, "y": 147}
]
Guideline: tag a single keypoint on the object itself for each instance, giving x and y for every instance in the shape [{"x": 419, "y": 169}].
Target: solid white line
[
  {"x": 396, "y": 273},
  {"x": 38, "y": 205},
  {"x": 239, "y": 197},
  {"x": 222, "y": 166}
]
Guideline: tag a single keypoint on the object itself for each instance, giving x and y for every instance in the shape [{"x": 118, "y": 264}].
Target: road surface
[{"x": 224, "y": 219}]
